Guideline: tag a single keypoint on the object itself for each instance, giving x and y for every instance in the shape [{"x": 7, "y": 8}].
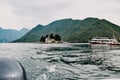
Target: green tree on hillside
[
  {"x": 42, "y": 39},
  {"x": 57, "y": 37},
  {"x": 51, "y": 36},
  {"x": 46, "y": 36}
]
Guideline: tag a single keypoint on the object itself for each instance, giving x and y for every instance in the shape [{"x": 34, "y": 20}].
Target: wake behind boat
[{"x": 104, "y": 40}]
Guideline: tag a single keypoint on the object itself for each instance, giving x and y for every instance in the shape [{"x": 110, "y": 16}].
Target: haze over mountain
[
  {"x": 74, "y": 30},
  {"x": 7, "y": 35}
]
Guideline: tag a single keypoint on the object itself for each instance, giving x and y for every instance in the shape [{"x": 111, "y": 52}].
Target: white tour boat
[{"x": 104, "y": 40}]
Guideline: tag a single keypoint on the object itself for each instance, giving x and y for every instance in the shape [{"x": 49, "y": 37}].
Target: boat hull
[{"x": 105, "y": 43}]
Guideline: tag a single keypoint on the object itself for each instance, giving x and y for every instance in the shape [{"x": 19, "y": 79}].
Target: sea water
[{"x": 67, "y": 61}]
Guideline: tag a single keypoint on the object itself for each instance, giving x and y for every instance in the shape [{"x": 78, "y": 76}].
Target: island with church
[{"x": 51, "y": 38}]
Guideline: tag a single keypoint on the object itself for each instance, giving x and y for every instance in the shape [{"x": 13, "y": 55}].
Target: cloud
[
  {"x": 37, "y": 7},
  {"x": 28, "y": 13},
  {"x": 38, "y": 11},
  {"x": 7, "y": 17}
]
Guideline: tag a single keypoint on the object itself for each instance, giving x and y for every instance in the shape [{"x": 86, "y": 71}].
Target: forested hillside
[{"x": 74, "y": 30}]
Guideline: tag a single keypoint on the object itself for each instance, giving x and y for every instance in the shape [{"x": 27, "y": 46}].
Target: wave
[
  {"x": 42, "y": 77},
  {"x": 62, "y": 49},
  {"x": 77, "y": 55}
]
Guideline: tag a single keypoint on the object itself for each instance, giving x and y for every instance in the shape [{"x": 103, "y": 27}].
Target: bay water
[{"x": 66, "y": 61}]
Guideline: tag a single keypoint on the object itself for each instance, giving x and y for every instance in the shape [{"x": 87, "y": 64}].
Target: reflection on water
[{"x": 70, "y": 61}]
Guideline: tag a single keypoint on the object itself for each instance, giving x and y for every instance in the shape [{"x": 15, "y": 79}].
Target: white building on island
[{"x": 49, "y": 40}]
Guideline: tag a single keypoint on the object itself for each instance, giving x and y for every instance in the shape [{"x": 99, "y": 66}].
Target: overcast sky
[{"x": 17, "y": 14}]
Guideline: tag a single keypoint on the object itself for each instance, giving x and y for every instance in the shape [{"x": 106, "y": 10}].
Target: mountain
[
  {"x": 0, "y": 28},
  {"x": 74, "y": 30},
  {"x": 8, "y": 35}
]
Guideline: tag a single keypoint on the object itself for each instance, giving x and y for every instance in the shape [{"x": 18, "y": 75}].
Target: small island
[{"x": 51, "y": 38}]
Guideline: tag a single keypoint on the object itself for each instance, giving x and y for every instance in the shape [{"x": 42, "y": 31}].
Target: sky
[{"x": 16, "y": 14}]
